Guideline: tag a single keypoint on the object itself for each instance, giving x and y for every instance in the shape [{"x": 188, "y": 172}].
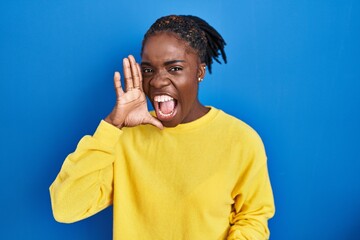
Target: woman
[{"x": 184, "y": 171}]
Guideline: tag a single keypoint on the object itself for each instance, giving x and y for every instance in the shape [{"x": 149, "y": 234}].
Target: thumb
[{"x": 153, "y": 121}]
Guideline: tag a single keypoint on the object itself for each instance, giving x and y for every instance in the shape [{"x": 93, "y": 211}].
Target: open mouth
[{"x": 165, "y": 107}]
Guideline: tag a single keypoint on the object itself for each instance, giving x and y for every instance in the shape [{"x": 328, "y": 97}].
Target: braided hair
[{"x": 202, "y": 37}]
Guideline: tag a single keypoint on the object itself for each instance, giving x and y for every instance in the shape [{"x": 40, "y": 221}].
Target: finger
[
  {"x": 127, "y": 74},
  {"x": 141, "y": 80},
  {"x": 117, "y": 85},
  {"x": 134, "y": 72}
]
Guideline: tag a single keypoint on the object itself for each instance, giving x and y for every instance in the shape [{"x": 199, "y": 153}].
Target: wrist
[{"x": 109, "y": 120}]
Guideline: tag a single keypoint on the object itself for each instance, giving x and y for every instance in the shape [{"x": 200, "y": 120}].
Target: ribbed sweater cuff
[{"x": 107, "y": 134}]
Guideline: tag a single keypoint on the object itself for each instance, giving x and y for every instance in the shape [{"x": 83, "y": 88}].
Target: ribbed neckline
[{"x": 197, "y": 124}]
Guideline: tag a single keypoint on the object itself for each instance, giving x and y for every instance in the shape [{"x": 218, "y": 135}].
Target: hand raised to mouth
[{"x": 131, "y": 107}]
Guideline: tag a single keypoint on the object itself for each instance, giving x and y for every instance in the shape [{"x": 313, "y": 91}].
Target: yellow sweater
[{"x": 205, "y": 179}]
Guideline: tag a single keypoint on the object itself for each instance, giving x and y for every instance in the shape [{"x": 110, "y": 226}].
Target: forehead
[{"x": 166, "y": 46}]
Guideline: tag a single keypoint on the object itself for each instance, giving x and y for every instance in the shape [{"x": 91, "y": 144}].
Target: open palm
[{"x": 131, "y": 107}]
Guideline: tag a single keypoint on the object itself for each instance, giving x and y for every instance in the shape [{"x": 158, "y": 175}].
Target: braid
[
  {"x": 202, "y": 37},
  {"x": 215, "y": 42}
]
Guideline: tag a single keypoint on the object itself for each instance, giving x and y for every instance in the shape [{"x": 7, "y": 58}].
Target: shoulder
[
  {"x": 238, "y": 129},
  {"x": 140, "y": 132}
]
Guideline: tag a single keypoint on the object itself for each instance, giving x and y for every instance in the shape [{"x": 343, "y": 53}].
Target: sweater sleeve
[
  {"x": 253, "y": 199},
  {"x": 84, "y": 185}
]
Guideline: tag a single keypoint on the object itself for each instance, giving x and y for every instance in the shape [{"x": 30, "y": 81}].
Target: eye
[
  {"x": 175, "y": 69},
  {"x": 147, "y": 70}
]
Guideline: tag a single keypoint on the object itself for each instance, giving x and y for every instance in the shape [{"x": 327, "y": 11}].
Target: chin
[{"x": 170, "y": 124}]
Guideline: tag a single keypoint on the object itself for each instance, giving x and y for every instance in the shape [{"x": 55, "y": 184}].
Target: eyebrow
[{"x": 166, "y": 63}]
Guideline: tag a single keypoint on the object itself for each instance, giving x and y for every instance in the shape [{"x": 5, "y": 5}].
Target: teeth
[{"x": 162, "y": 98}]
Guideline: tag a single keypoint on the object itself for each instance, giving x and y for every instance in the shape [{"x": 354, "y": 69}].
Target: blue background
[{"x": 293, "y": 75}]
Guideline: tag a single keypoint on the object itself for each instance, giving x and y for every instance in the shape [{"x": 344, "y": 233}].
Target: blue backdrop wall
[{"x": 293, "y": 75}]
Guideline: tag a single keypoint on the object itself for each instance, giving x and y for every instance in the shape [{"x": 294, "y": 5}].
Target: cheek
[
  {"x": 145, "y": 85},
  {"x": 190, "y": 89}
]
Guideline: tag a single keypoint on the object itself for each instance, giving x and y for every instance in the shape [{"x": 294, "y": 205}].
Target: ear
[{"x": 201, "y": 71}]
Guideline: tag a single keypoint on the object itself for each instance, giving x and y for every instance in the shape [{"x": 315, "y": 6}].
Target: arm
[
  {"x": 84, "y": 185},
  {"x": 254, "y": 203}
]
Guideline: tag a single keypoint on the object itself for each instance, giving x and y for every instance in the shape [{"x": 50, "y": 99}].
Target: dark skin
[{"x": 169, "y": 69}]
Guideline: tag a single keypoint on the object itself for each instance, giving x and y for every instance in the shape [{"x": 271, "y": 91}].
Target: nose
[{"x": 160, "y": 80}]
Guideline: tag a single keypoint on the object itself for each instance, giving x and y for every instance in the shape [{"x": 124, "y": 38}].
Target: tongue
[{"x": 167, "y": 107}]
